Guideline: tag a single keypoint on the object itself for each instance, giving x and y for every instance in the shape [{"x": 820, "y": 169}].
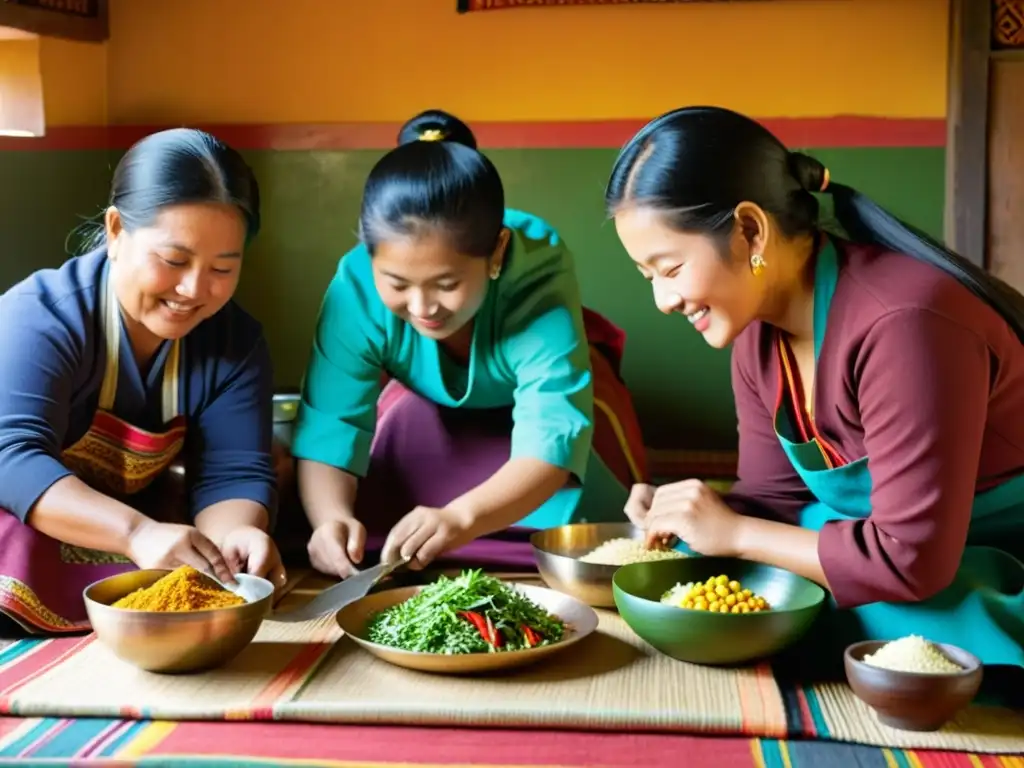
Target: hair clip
[{"x": 432, "y": 134}]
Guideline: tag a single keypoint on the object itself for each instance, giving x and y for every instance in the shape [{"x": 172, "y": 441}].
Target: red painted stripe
[
  {"x": 379, "y": 745},
  {"x": 840, "y": 131}
]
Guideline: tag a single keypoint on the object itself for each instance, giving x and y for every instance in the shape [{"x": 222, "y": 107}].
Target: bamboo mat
[{"x": 609, "y": 681}]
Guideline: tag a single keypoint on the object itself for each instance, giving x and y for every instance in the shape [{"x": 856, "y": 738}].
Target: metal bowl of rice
[{"x": 580, "y": 559}]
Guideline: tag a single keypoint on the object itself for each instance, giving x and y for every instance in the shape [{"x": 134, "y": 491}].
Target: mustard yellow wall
[
  {"x": 74, "y": 81},
  {"x": 267, "y": 61}
]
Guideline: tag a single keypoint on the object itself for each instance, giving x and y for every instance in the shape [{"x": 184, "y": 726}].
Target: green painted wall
[
  {"x": 43, "y": 196},
  {"x": 310, "y": 205}
]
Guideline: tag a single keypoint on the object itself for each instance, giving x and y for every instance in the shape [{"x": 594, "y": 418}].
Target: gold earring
[{"x": 757, "y": 264}]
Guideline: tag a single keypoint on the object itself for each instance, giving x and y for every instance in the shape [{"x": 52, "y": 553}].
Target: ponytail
[
  {"x": 696, "y": 164},
  {"x": 866, "y": 221}
]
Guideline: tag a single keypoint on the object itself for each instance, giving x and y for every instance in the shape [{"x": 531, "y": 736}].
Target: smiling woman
[
  {"x": 122, "y": 362},
  {"x": 878, "y": 385},
  {"x": 489, "y": 421}
]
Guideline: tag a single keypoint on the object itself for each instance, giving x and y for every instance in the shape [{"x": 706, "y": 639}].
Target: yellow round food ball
[
  {"x": 721, "y": 590},
  {"x": 723, "y": 608},
  {"x": 730, "y": 599},
  {"x": 735, "y": 586}
]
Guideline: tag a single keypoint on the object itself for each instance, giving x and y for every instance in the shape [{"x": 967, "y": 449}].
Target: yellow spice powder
[{"x": 183, "y": 589}]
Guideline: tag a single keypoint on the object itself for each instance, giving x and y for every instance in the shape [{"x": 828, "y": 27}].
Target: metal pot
[{"x": 286, "y": 406}]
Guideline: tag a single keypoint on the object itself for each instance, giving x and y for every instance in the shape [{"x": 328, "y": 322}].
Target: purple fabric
[
  {"x": 56, "y": 574},
  {"x": 426, "y": 455},
  {"x": 35, "y": 560}
]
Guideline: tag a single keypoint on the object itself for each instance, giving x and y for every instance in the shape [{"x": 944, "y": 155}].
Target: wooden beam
[
  {"x": 69, "y": 19},
  {"x": 970, "y": 36}
]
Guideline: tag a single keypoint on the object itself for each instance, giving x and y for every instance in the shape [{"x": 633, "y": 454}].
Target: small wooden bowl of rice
[
  {"x": 581, "y": 559},
  {"x": 911, "y": 683}
]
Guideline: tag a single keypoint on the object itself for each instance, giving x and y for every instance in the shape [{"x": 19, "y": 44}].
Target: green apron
[{"x": 983, "y": 609}]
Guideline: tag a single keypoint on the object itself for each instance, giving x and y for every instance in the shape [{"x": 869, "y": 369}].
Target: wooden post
[{"x": 970, "y": 34}]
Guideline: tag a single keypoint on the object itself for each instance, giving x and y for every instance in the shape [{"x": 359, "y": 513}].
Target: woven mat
[{"x": 610, "y": 681}]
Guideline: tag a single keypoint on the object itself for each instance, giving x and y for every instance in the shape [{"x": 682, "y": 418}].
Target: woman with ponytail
[
  {"x": 503, "y": 409},
  {"x": 878, "y": 378}
]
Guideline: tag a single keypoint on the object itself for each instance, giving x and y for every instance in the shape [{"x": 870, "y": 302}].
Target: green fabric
[
  {"x": 601, "y": 499},
  {"x": 529, "y": 351},
  {"x": 982, "y": 611}
]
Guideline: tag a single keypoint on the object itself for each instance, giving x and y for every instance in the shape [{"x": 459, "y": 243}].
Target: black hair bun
[
  {"x": 436, "y": 125},
  {"x": 808, "y": 171}
]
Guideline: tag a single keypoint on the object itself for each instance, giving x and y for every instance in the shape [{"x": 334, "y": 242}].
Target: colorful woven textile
[
  {"x": 98, "y": 741},
  {"x": 611, "y": 682}
]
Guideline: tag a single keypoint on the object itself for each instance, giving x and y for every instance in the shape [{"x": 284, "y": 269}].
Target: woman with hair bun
[
  {"x": 125, "y": 364},
  {"x": 504, "y": 408},
  {"x": 878, "y": 378}
]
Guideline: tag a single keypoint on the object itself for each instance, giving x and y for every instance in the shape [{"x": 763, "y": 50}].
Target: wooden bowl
[{"x": 912, "y": 701}]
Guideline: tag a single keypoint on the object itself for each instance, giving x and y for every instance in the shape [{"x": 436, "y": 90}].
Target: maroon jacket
[{"x": 924, "y": 379}]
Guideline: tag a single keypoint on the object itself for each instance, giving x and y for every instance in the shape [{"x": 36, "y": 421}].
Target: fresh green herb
[{"x": 472, "y": 613}]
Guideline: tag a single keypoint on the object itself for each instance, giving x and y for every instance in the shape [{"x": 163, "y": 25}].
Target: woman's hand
[
  {"x": 166, "y": 545},
  {"x": 638, "y": 505},
  {"x": 423, "y": 534},
  {"x": 336, "y": 546},
  {"x": 694, "y": 513},
  {"x": 249, "y": 549}
]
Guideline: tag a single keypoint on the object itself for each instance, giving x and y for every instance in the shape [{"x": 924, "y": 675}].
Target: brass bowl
[
  {"x": 173, "y": 642},
  {"x": 557, "y": 551},
  {"x": 582, "y": 621}
]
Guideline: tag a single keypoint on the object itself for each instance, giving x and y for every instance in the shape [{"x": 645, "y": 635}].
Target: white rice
[
  {"x": 625, "y": 551},
  {"x": 912, "y": 654},
  {"x": 677, "y": 595}
]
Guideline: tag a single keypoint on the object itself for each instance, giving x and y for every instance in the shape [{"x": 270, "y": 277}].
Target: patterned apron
[
  {"x": 41, "y": 579},
  {"x": 983, "y": 609}
]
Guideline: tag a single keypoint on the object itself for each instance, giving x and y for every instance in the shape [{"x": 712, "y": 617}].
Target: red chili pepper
[
  {"x": 485, "y": 627},
  {"x": 532, "y": 636}
]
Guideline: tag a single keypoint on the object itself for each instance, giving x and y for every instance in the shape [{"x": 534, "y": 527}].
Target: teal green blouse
[{"x": 529, "y": 351}]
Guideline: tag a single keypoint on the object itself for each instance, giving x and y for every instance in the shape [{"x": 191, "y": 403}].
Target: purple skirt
[
  {"x": 424, "y": 454},
  {"x": 427, "y": 455}
]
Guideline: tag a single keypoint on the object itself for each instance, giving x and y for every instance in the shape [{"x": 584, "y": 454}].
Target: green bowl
[{"x": 716, "y": 638}]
